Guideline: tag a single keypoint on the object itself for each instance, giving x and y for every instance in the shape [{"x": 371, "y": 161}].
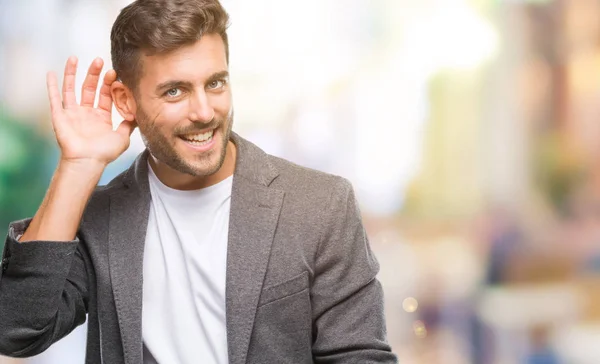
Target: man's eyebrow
[
  {"x": 218, "y": 76},
  {"x": 167, "y": 85}
]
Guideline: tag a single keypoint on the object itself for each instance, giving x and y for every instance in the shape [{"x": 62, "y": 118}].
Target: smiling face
[{"x": 184, "y": 107}]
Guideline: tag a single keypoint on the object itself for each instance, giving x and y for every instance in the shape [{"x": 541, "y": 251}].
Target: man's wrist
[{"x": 88, "y": 167}]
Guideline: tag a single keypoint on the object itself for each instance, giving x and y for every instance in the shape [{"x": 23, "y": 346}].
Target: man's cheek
[{"x": 173, "y": 113}]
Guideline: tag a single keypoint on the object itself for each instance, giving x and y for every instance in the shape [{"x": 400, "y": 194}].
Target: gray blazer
[{"x": 301, "y": 284}]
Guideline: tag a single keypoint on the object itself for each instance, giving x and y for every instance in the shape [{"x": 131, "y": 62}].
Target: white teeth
[
  {"x": 193, "y": 142},
  {"x": 199, "y": 137}
]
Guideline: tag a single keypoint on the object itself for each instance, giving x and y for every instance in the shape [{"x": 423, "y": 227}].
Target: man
[{"x": 207, "y": 250}]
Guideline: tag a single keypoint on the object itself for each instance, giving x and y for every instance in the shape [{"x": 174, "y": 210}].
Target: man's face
[{"x": 184, "y": 108}]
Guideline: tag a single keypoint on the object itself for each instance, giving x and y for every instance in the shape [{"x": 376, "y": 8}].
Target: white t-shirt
[{"x": 183, "y": 315}]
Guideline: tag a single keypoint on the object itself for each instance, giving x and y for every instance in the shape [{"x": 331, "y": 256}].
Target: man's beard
[{"x": 163, "y": 150}]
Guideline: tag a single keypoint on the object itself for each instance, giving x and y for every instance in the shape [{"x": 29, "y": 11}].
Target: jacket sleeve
[
  {"x": 346, "y": 297},
  {"x": 43, "y": 292}
]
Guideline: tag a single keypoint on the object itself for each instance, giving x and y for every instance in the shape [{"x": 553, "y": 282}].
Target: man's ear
[{"x": 124, "y": 101}]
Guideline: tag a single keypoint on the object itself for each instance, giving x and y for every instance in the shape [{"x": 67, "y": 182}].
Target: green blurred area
[{"x": 25, "y": 157}]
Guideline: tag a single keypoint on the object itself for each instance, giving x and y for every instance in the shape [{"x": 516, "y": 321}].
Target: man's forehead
[{"x": 201, "y": 59}]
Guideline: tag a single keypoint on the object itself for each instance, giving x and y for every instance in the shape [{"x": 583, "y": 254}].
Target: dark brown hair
[{"x": 161, "y": 26}]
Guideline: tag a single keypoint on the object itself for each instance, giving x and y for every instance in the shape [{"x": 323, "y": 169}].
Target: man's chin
[
  {"x": 189, "y": 161},
  {"x": 202, "y": 166}
]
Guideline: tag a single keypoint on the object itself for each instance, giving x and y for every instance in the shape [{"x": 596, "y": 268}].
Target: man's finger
[
  {"x": 53, "y": 93},
  {"x": 105, "y": 101},
  {"x": 69, "y": 99},
  {"x": 90, "y": 84}
]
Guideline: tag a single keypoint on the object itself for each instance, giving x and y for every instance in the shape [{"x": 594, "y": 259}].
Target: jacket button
[{"x": 4, "y": 264}]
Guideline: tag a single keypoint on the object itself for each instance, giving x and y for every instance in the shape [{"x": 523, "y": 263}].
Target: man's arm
[
  {"x": 60, "y": 213},
  {"x": 87, "y": 144},
  {"x": 43, "y": 283},
  {"x": 347, "y": 299},
  {"x": 43, "y": 292},
  {"x": 43, "y": 280}
]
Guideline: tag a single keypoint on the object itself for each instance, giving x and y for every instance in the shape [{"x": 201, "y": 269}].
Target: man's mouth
[{"x": 198, "y": 139}]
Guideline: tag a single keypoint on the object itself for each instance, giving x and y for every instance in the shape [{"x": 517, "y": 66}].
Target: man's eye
[
  {"x": 216, "y": 84},
  {"x": 174, "y": 92}
]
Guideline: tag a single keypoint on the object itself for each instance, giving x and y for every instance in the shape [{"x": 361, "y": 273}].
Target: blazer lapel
[
  {"x": 254, "y": 214},
  {"x": 129, "y": 210}
]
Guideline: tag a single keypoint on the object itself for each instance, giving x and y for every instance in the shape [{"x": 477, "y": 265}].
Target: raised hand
[{"x": 84, "y": 132}]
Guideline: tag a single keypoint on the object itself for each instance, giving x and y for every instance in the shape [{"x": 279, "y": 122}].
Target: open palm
[{"x": 84, "y": 132}]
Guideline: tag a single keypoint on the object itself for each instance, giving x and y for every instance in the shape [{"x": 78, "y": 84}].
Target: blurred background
[{"x": 469, "y": 129}]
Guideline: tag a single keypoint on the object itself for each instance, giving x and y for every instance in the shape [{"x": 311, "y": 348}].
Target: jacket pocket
[
  {"x": 282, "y": 331},
  {"x": 285, "y": 289}
]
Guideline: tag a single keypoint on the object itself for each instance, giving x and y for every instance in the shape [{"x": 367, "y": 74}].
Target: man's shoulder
[
  {"x": 112, "y": 186},
  {"x": 296, "y": 178},
  {"x": 102, "y": 194}
]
